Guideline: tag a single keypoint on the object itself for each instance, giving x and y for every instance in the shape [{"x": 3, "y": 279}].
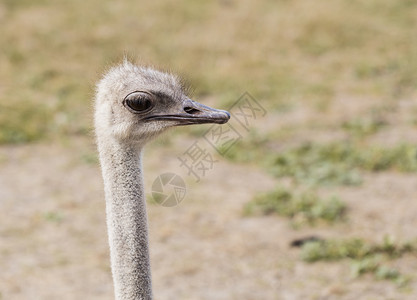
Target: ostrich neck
[{"x": 127, "y": 223}]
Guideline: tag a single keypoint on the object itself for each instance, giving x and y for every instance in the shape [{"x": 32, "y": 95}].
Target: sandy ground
[{"x": 53, "y": 242}]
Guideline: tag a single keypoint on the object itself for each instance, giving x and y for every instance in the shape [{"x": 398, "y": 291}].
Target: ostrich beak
[
  {"x": 197, "y": 113},
  {"x": 193, "y": 112}
]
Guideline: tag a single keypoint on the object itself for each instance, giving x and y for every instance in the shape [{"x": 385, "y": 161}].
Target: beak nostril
[{"x": 191, "y": 110}]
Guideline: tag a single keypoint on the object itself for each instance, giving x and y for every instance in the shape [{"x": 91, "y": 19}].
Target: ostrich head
[{"x": 134, "y": 104}]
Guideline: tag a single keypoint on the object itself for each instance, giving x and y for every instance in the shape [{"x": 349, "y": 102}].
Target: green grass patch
[
  {"x": 353, "y": 248},
  {"x": 375, "y": 266},
  {"x": 362, "y": 127},
  {"x": 340, "y": 162},
  {"x": 54, "y": 217},
  {"x": 317, "y": 164},
  {"x": 306, "y": 207},
  {"x": 336, "y": 163},
  {"x": 366, "y": 257}
]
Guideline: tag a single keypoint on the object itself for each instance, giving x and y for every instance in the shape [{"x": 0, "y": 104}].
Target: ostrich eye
[{"x": 138, "y": 102}]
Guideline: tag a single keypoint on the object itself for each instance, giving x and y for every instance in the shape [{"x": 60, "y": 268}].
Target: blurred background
[{"x": 316, "y": 201}]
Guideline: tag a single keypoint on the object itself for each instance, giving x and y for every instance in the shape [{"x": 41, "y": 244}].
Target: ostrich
[{"x": 133, "y": 104}]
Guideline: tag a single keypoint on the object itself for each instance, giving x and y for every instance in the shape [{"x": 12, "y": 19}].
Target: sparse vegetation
[
  {"x": 361, "y": 127},
  {"x": 374, "y": 265},
  {"x": 306, "y": 207},
  {"x": 340, "y": 162},
  {"x": 366, "y": 258},
  {"x": 353, "y": 248},
  {"x": 54, "y": 217},
  {"x": 326, "y": 164}
]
